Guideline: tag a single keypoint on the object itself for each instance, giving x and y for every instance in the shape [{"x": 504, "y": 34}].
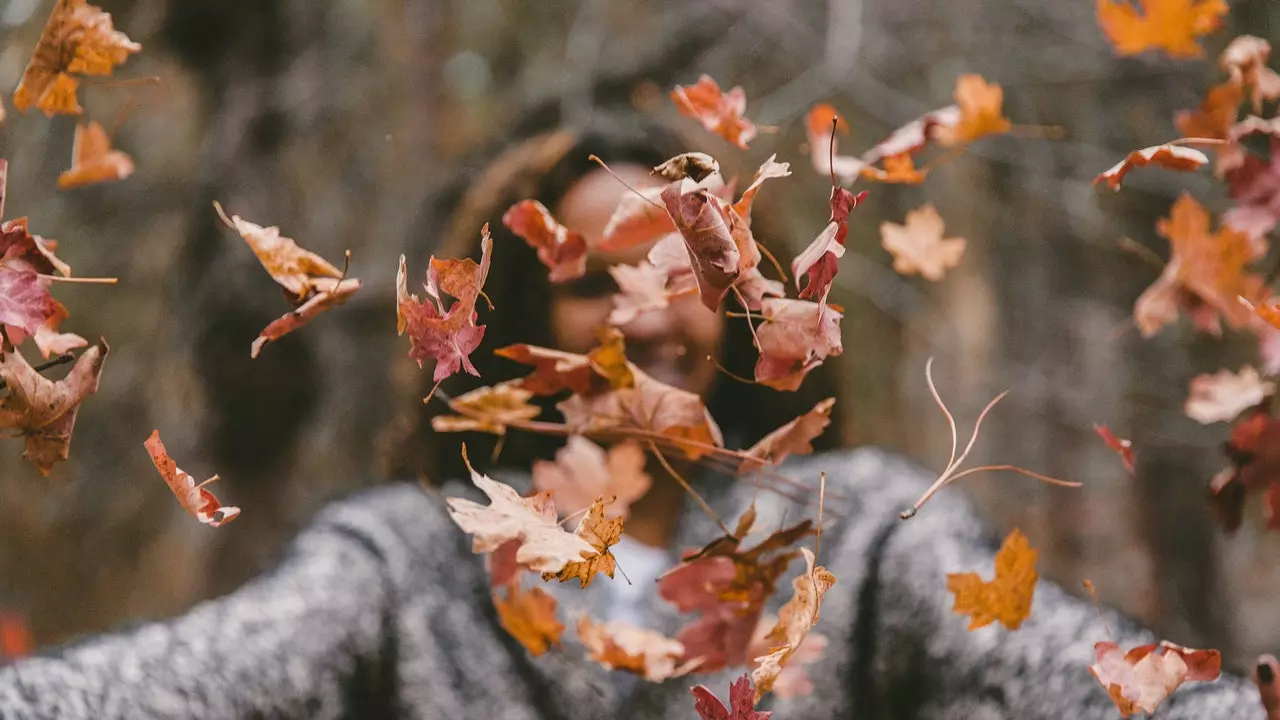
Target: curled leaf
[
  {"x": 719, "y": 112},
  {"x": 795, "y": 620},
  {"x": 193, "y": 497},
  {"x": 78, "y": 39},
  {"x": 562, "y": 250},
  {"x": 795, "y": 437},
  {"x": 43, "y": 410},
  {"x": 1140, "y": 679},
  {"x": 795, "y": 337},
  {"x": 600, "y": 533},
  {"x": 1171, "y": 157},
  {"x": 1121, "y": 446}
]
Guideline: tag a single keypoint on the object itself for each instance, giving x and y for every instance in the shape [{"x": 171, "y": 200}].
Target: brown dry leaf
[
  {"x": 918, "y": 246},
  {"x": 981, "y": 112},
  {"x": 795, "y": 337},
  {"x": 621, "y": 646},
  {"x": 719, "y": 112},
  {"x": 713, "y": 252},
  {"x": 583, "y": 471},
  {"x": 795, "y": 620},
  {"x": 44, "y": 410},
  {"x": 1008, "y": 596},
  {"x": 604, "y": 368},
  {"x": 78, "y": 39},
  {"x": 193, "y": 497},
  {"x": 1224, "y": 395},
  {"x": 328, "y": 294},
  {"x": 601, "y": 534},
  {"x": 1171, "y": 157},
  {"x": 795, "y": 437},
  {"x": 530, "y": 617},
  {"x": 282, "y": 258},
  {"x": 696, "y": 166},
  {"x": 93, "y": 160},
  {"x": 488, "y": 409},
  {"x": 562, "y": 250},
  {"x": 1140, "y": 679},
  {"x": 1173, "y": 26}
]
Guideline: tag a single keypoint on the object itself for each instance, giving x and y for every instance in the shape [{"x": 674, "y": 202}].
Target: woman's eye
[{"x": 591, "y": 285}]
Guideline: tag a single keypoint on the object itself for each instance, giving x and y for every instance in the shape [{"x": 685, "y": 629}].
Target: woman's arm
[{"x": 306, "y": 641}]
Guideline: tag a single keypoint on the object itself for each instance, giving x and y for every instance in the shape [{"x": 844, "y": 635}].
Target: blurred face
[{"x": 671, "y": 344}]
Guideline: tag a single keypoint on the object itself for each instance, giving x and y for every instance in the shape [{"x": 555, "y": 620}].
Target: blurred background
[{"x": 340, "y": 120}]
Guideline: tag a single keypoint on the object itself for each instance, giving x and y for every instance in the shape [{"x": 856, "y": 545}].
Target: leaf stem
[
  {"x": 80, "y": 280},
  {"x": 706, "y": 508}
]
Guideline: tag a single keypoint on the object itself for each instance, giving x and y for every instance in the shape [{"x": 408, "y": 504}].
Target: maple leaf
[
  {"x": 719, "y": 112},
  {"x": 562, "y": 250},
  {"x": 1245, "y": 60},
  {"x": 44, "y": 410},
  {"x": 1143, "y": 677},
  {"x": 712, "y": 251},
  {"x": 768, "y": 170},
  {"x": 583, "y": 471},
  {"x": 741, "y": 702},
  {"x": 820, "y": 260},
  {"x": 544, "y": 545},
  {"x": 1121, "y": 446},
  {"x": 795, "y": 337},
  {"x": 601, "y": 534},
  {"x": 794, "y": 437},
  {"x": 918, "y": 246},
  {"x": 530, "y": 617},
  {"x": 93, "y": 160},
  {"x": 620, "y": 646},
  {"x": 328, "y": 294},
  {"x": 20, "y": 250},
  {"x": 642, "y": 288},
  {"x": 1172, "y": 157},
  {"x": 288, "y": 264},
  {"x": 1173, "y": 26},
  {"x": 193, "y": 497},
  {"x": 981, "y": 112},
  {"x": 448, "y": 337},
  {"x": 1224, "y": 395},
  {"x": 78, "y": 39},
  {"x": 1008, "y": 596},
  {"x": 793, "y": 681},
  {"x": 795, "y": 620},
  {"x": 1215, "y": 116},
  {"x": 488, "y": 409}
]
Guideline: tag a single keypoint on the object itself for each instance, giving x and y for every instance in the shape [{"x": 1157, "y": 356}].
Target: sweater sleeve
[
  {"x": 921, "y": 661},
  {"x": 305, "y": 641}
]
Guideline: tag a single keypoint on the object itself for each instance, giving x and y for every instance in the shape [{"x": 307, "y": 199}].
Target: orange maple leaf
[
  {"x": 719, "y": 112},
  {"x": 918, "y": 246},
  {"x": 1006, "y": 598},
  {"x": 530, "y": 617},
  {"x": 78, "y": 39},
  {"x": 981, "y": 112},
  {"x": 488, "y": 409},
  {"x": 93, "y": 160},
  {"x": 601, "y": 534},
  {"x": 899, "y": 168},
  {"x": 1170, "y": 25}
]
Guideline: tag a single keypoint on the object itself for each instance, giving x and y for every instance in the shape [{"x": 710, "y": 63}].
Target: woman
[{"x": 381, "y": 610}]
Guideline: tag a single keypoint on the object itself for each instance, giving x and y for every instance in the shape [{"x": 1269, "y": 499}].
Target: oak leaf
[
  {"x": 1140, "y": 679},
  {"x": 562, "y": 250},
  {"x": 795, "y": 337},
  {"x": 918, "y": 246},
  {"x": 584, "y": 471},
  {"x": 1007, "y": 597},
  {"x": 1121, "y": 446},
  {"x": 43, "y": 410},
  {"x": 488, "y": 409},
  {"x": 719, "y": 112},
  {"x": 78, "y": 39},
  {"x": 1171, "y": 157},
  {"x": 741, "y": 702},
  {"x": 1173, "y": 26},
  {"x": 530, "y": 617},
  {"x": 620, "y": 646},
  {"x": 981, "y": 112},
  {"x": 795, "y": 620},
  {"x": 93, "y": 160},
  {"x": 795, "y": 437},
  {"x": 193, "y": 497},
  {"x": 1222, "y": 396},
  {"x": 448, "y": 337}
]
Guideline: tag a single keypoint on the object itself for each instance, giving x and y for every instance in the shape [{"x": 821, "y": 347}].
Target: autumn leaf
[
  {"x": 1121, "y": 446},
  {"x": 642, "y": 288},
  {"x": 1224, "y": 395},
  {"x": 981, "y": 112},
  {"x": 562, "y": 250},
  {"x": 741, "y": 702},
  {"x": 488, "y": 409},
  {"x": 696, "y": 166},
  {"x": 1215, "y": 116},
  {"x": 1245, "y": 60},
  {"x": 601, "y": 534},
  {"x": 78, "y": 39},
  {"x": 795, "y": 337},
  {"x": 719, "y": 112},
  {"x": 1255, "y": 188},
  {"x": 1171, "y": 157},
  {"x": 1007, "y": 597},
  {"x": 20, "y": 250},
  {"x": 1173, "y": 26},
  {"x": 820, "y": 260},
  {"x": 288, "y": 264},
  {"x": 712, "y": 250},
  {"x": 1253, "y": 447},
  {"x": 795, "y": 437},
  {"x": 768, "y": 170},
  {"x": 793, "y": 681},
  {"x": 620, "y": 646},
  {"x": 93, "y": 160},
  {"x": 43, "y": 410},
  {"x": 25, "y": 301},
  {"x": 1140, "y": 679},
  {"x": 193, "y": 497},
  {"x": 328, "y": 294},
  {"x": 639, "y": 218},
  {"x": 918, "y": 246},
  {"x": 584, "y": 471},
  {"x": 530, "y": 617},
  {"x": 449, "y": 337},
  {"x": 898, "y": 169},
  {"x": 603, "y": 368},
  {"x": 795, "y": 620}
]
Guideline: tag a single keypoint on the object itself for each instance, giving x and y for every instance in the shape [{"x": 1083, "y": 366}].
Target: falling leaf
[
  {"x": 1173, "y": 26},
  {"x": 795, "y": 620},
  {"x": 642, "y": 288},
  {"x": 562, "y": 250},
  {"x": 768, "y": 170},
  {"x": 696, "y": 166},
  {"x": 712, "y": 250},
  {"x": 78, "y": 39},
  {"x": 1253, "y": 448},
  {"x": 193, "y": 498},
  {"x": 93, "y": 160},
  {"x": 448, "y": 337},
  {"x": 1171, "y": 157},
  {"x": 25, "y": 301},
  {"x": 795, "y": 337},
  {"x": 719, "y": 112},
  {"x": 1143, "y": 677},
  {"x": 820, "y": 260},
  {"x": 639, "y": 218},
  {"x": 601, "y": 534},
  {"x": 741, "y": 702},
  {"x": 489, "y": 409},
  {"x": 603, "y": 368},
  {"x": 329, "y": 294},
  {"x": 1215, "y": 116},
  {"x": 1224, "y": 395},
  {"x": 15, "y": 636},
  {"x": 793, "y": 681},
  {"x": 530, "y": 617},
  {"x": 43, "y": 410},
  {"x": 1245, "y": 60},
  {"x": 981, "y": 112},
  {"x": 1121, "y": 446},
  {"x": 287, "y": 263},
  {"x": 1007, "y": 597},
  {"x": 20, "y": 250},
  {"x": 583, "y": 471},
  {"x": 918, "y": 246},
  {"x": 620, "y": 646},
  {"x": 898, "y": 169},
  {"x": 795, "y": 437}
]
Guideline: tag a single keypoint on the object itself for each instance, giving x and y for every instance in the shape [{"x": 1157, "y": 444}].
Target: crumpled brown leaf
[
  {"x": 44, "y": 410},
  {"x": 795, "y": 337},
  {"x": 193, "y": 497},
  {"x": 795, "y": 620},
  {"x": 93, "y": 160},
  {"x": 712, "y": 251},
  {"x": 78, "y": 39}
]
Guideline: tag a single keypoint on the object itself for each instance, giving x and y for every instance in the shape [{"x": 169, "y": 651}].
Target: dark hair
[{"x": 544, "y": 167}]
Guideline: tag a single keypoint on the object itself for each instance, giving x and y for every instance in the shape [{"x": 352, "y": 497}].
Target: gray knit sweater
[{"x": 381, "y": 611}]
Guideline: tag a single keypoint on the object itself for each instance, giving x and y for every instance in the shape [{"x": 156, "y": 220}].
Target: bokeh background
[{"x": 341, "y": 120}]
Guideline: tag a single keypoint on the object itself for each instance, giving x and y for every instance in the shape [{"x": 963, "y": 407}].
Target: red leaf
[
  {"x": 1122, "y": 447},
  {"x": 330, "y": 294},
  {"x": 741, "y": 702},
  {"x": 795, "y": 337},
  {"x": 821, "y": 259},
  {"x": 447, "y": 337},
  {"x": 721, "y": 113},
  {"x": 25, "y": 301},
  {"x": 562, "y": 250},
  {"x": 712, "y": 251},
  {"x": 795, "y": 437},
  {"x": 193, "y": 498}
]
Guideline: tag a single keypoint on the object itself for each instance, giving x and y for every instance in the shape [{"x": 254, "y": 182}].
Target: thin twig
[
  {"x": 1020, "y": 471},
  {"x": 822, "y": 496},
  {"x": 951, "y": 421},
  {"x": 625, "y": 184},
  {"x": 706, "y": 508}
]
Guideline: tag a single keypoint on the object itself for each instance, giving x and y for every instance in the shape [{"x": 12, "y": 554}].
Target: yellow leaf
[
  {"x": 530, "y": 617},
  {"x": 1006, "y": 598}
]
